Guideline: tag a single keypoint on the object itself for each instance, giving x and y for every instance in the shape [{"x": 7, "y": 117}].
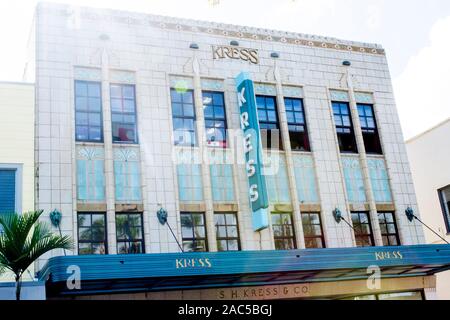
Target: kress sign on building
[
  {"x": 253, "y": 152},
  {"x": 238, "y": 53}
]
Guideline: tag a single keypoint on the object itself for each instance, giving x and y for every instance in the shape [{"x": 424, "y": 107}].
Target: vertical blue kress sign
[{"x": 253, "y": 151}]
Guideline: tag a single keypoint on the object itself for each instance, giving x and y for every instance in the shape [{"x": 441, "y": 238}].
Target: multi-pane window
[
  {"x": 227, "y": 231},
  {"x": 268, "y": 122},
  {"x": 88, "y": 111},
  {"x": 298, "y": 133},
  {"x": 183, "y": 114},
  {"x": 92, "y": 233},
  {"x": 123, "y": 113},
  {"x": 444, "y": 197},
  {"x": 362, "y": 229},
  {"x": 388, "y": 228},
  {"x": 215, "y": 121},
  {"x": 369, "y": 129},
  {"x": 283, "y": 231},
  {"x": 344, "y": 127},
  {"x": 312, "y": 228},
  {"x": 129, "y": 233},
  {"x": 193, "y": 231}
]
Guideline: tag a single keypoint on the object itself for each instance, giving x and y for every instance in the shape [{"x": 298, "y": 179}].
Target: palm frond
[{"x": 25, "y": 239}]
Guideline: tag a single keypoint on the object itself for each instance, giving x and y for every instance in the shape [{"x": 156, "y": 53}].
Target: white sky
[{"x": 415, "y": 33}]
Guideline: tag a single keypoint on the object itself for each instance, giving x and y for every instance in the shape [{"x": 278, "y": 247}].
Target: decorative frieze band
[{"x": 239, "y": 32}]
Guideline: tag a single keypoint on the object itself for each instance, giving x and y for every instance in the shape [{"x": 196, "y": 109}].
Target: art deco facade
[{"x": 131, "y": 116}]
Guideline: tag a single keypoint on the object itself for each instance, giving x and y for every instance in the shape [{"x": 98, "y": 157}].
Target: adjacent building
[
  {"x": 140, "y": 123},
  {"x": 16, "y": 149},
  {"x": 428, "y": 154}
]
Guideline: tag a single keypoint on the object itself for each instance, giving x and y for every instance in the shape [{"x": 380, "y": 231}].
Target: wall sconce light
[
  {"x": 234, "y": 43},
  {"x": 275, "y": 55},
  {"x": 337, "y": 214},
  {"x": 55, "y": 218},
  {"x": 162, "y": 215},
  {"x": 410, "y": 214},
  {"x": 346, "y": 63},
  {"x": 193, "y": 46}
]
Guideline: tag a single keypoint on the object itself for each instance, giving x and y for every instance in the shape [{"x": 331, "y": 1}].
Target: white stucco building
[
  {"x": 16, "y": 151},
  {"x": 131, "y": 115},
  {"x": 428, "y": 154}
]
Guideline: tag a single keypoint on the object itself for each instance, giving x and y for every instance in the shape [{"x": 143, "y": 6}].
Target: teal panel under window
[
  {"x": 379, "y": 180},
  {"x": 90, "y": 180},
  {"x": 305, "y": 179},
  {"x": 7, "y": 191},
  {"x": 354, "y": 181},
  {"x": 222, "y": 182},
  {"x": 190, "y": 186},
  {"x": 278, "y": 182},
  {"x": 127, "y": 180}
]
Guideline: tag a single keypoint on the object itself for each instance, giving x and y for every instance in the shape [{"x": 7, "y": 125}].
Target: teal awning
[{"x": 157, "y": 272}]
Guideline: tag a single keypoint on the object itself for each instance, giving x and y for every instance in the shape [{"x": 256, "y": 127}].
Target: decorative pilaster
[
  {"x": 109, "y": 157},
  {"x": 297, "y": 218},
  {"x": 363, "y": 161},
  {"x": 206, "y": 174}
]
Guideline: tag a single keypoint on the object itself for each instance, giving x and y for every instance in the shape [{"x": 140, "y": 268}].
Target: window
[
  {"x": 362, "y": 229},
  {"x": 354, "y": 181},
  {"x": 92, "y": 233},
  {"x": 190, "y": 183},
  {"x": 222, "y": 183},
  {"x": 276, "y": 180},
  {"x": 444, "y": 197},
  {"x": 90, "y": 164},
  {"x": 183, "y": 114},
  {"x": 193, "y": 231},
  {"x": 312, "y": 228},
  {"x": 88, "y": 112},
  {"x": 283, "y": 231},
  {"x": 130, "y": 233},
  {"x": 305, "y": 177},
  {"x": 344, "y": 127},
  {"x": 127, "y": 175},
  {"x": 268, "y": 121},
  {"x": 388, "y": 228},
  {"x": 379, "y": 179},
  {"x": 227, "y": 232},
  {"x": 7, "y": 190},
  {"x": 369, "y": 129},
  {"x": 123, "y": 113},
  {"x": 215, "y": 121},
  {"x": 298, "y": 133}
]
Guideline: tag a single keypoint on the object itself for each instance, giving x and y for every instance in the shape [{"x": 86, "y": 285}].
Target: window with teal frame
[
  {"x": 354, "y": 181},
  {"x": 127, "y": 175},
  {"x": 379, "y": 180},
  {"x": 277, "y": 181},
  {"x": 90, "y": 174},
  {"x": 222, "y": 182},
  {"x": 305, "y": 179},
  {"x": 190, "y": 186}
]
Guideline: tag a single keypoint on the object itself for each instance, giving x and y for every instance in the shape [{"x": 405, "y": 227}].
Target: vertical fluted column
[
  {"x": 363, "y": 161},
  {"x": 206, "y": 174},
  {"x": 284, "y": 129},
  {"x": 109, "y": 156}
]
